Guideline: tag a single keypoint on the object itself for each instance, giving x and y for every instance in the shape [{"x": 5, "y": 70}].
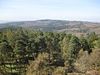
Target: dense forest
[{"x": 29, "y": 52}]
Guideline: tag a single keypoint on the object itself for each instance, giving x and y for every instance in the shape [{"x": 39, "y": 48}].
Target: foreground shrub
[
  {"x": 40, "y": 66},
  {"x": 59, "y": 71},
  {"x": 88, "y": 62}
]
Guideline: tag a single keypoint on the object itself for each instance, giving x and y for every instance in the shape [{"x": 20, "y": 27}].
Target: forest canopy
[{"x": 29, "y": 52}]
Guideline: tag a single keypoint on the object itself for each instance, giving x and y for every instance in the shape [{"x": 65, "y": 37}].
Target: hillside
[{"x": 78, "y": 27}]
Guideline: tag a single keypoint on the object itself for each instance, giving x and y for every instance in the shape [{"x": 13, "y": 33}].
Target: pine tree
[{"x": 74, "y": 47}]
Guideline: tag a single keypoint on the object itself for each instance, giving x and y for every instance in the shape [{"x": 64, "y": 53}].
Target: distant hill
[{"x": 78, "y": 27}]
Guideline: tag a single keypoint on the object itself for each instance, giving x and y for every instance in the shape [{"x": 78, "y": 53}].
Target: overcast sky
[{"x": 19, "y": 10}]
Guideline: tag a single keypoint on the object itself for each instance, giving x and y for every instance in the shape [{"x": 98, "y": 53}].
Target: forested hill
[{"x": 57, "y": 25}]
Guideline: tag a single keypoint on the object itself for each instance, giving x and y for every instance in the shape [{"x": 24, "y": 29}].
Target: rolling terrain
[{"x": 75, "y": 27}]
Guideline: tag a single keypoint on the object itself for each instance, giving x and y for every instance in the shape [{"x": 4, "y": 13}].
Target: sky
[{"x": 23, "y": 10}]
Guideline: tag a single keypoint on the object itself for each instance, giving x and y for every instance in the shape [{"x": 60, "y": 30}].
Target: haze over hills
[{"x": 57, "y": 25}]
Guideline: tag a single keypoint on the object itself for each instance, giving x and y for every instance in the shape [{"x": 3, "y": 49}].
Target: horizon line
[{"x": 5, "y": 21}]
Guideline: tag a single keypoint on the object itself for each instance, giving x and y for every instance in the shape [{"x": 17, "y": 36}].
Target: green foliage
[
  {"x": 91, "y": 38},
  {"x": 42, "y": 52},
  {"x": 72, "y": 53},
  {"x": 97, "y": 43},
  {"x": 5, "y": 48},
  {"x": 64, "y": 47},
  {"x": 85, "y": 45}
]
